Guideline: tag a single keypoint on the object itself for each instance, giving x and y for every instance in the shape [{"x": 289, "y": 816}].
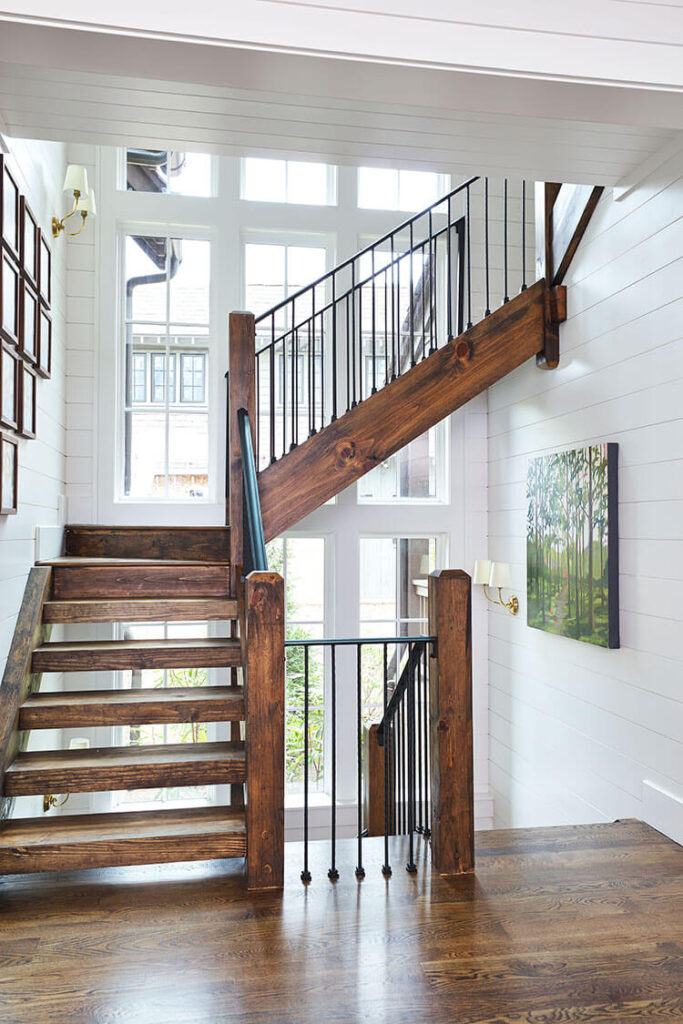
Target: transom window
[
  {"x": 168, "y": 171},
  {"x": 383, "y": 188},
  {"x": 289, "y": 181}
]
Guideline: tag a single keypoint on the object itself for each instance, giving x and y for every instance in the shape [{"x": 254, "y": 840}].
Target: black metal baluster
[
  {"x": 425, "y": 279},
  {"x": 386, "y": 332},
  {"x": 412, "y": 301},
  {"x": 432, "y": 241},
  {"x": 486, "y": 245},
  {"x": 395, "y": 343},
  {"x": 523, "y": 288},
  {"x": 257, "y": 389},
  {"x": 348, "y": 356},
  {"x": 361, "y": 346},
  {"x": 311, "y": 382},
  {"x": 386, "y": 867},
  {"x": 374, "y": 327},
  {"x": 425, "y": 721},
  {"x": 449, "y": 273},
  {"x": 322, "y": 369},
  {"x": 360, "y": 870},
  {"x": 418, "y": 737},
  {"x": 353, "y": 334},
  {"x": 334, "y": 348},
  {"x": 506, "y": 297},
  {"x": 272, "y": 392},
  {"x": 305, "y": 874},
  {"x": 284, "y": 393},
  {"x": 399, "y": 773},
  {"x": 333, "y": 874},
  {"x": 469, "y": 263},
  {"x": 296, "y": 388},
  {"x": 411, "y": 866}
]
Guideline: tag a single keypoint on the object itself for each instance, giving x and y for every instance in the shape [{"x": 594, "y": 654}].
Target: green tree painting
[{"x": 572, "y": 544}]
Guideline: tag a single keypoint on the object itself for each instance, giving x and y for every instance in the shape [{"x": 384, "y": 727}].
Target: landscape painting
[{"x": 572, "y": 544}]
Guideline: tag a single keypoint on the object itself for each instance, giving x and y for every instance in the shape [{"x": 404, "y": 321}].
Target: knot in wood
[
  {"x": 345, "y": 451},
  {"x": 463, "y": 350},
  {"x": 443, "y": 725}
]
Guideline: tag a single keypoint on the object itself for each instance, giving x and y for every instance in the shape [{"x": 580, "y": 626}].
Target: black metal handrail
[
  {"x": 406, "y": 757},
  {"x": 335, "y": 342},
  {"x": 252, "y": 504}
]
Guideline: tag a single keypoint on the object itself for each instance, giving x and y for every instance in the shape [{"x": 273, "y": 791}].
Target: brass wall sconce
[
  {"x": 76, "y": 182},
  {"x": 495, "y": 574},
  {"x": 49, "y": 799}
]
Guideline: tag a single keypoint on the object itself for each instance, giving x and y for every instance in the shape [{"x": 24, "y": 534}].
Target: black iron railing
[
  {"x": 340, "y": 339},
  {"x": 369, "y": 686}
]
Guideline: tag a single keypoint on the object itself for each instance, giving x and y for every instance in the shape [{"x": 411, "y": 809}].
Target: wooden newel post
[
  {"x": 450, "y": 696},
  {"x": 265, "y": 729},
  {"x": 241, "y": 395}
]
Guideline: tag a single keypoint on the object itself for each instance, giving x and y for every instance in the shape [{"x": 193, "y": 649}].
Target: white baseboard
[{"x": 663, "y": 810}]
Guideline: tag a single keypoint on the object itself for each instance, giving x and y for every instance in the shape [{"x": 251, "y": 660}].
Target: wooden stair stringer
[{"x": 379, "y": 426}]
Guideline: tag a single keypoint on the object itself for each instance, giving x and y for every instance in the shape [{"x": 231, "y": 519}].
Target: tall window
[
  {"x": 289, "y": 181},
  {"x": 393, "y": 581},
  {"x": 166, "y": 327},
  {"x": 381, "y": 188},
  {"x": 301, "y": 560}
]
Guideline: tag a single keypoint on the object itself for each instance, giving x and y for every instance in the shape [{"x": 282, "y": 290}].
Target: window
[
  {"x": 288, "y": 181},
  {"x": 168, "y": 171},
  {"x": 301, "y": 560},
  {"x": 382, "y": 188},
  {"x": 419, "y": 472},
  {"x": 393, "y": 602},
  {"x": 166, "y": 328}
]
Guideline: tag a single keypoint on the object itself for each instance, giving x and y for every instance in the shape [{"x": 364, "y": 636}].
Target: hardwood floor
[{"x": 556, "y": 926}]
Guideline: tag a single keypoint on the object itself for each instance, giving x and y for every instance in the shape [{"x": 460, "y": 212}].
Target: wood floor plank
[
  {"x": 113, "y": 768},
  {"x": 349, "y": 951},
  {"x": 111, "y": 655},
  {"x": 145, "y": 706}
]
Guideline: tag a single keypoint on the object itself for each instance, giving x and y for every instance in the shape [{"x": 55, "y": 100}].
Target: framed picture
[
  {"x": 29, "y": 256},
  {"x": 9, "y": 471},
  {"x": 9, "y": 394},
  {"x": 27, "y": 401},
  {"x": 573, "y": 544},
  {"x": 9, "y": 209},
  {"x": 28, "y": 323},
  {"x": 44, "y": 342},
  {"x": 9, "y": 298},
  {"x": 45, "y": 267}
]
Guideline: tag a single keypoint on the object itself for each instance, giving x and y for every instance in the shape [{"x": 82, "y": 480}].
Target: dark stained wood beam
[
  {"x": 571, "y": 212},
  {"x": 385, "y": 422},
  {"x": 450, "y": 709},
  {"x": 241, "y": 395}
]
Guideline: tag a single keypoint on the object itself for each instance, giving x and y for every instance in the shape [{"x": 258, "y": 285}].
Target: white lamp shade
[
  {"x": 482, "y": 572},
  {"x": 76, "y": 179},
  {"x": 500, "y": 574},
  {"x": 87, "y": 204}
]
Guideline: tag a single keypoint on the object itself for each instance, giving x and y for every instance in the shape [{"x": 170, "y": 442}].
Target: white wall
[
  {"x": 40, "y": 172},
  {"x": 576, "y": 731}
]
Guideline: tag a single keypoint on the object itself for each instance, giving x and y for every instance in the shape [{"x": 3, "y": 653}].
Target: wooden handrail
[{"x": 18, "y": 681}]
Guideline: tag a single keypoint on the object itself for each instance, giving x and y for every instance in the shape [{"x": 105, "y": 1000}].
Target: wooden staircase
[
  {"x": 132, "y": 575},
  {"x": 159, "y": 575}
]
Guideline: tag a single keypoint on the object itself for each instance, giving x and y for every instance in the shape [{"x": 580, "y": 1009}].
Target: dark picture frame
[
  {"x": 27, "y": 400},
  {"x": 573, "y": 544},
  {"x": 9, "y": 387},
  {"x": 45, "y": 270},
  {"x": 29, "y": 339},
  {"x": 9, "y": 209},
  {"x": 44, "y": 366},
  {"x": 9, "y": 298},
  {"x": 30, "y": 242},
  {"x": 9, "y": 475}
]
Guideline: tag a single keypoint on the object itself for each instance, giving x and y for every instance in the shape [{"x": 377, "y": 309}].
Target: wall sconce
[
  {"x": 76, "y": 182},
  {"x": 495, "y": 574},
  {"x": 50, "y": 800}
]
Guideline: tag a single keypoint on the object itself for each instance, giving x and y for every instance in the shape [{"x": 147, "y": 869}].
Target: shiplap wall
[
  {"x": 39, "y": 167},
  {"x": 579, "y": 733}
]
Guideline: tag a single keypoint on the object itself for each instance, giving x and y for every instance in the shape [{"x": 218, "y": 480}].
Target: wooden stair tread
[
  {"x": 109, "y": 655},
  {"x": 153, "y": 705},
  {"x": 141, "y": 609},
  {"x": 128, "y": 837},
  {"x": 107, "y": 768}
]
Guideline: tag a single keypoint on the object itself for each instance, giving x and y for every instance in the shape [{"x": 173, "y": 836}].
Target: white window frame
[{"x": 330, "y": 185}]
